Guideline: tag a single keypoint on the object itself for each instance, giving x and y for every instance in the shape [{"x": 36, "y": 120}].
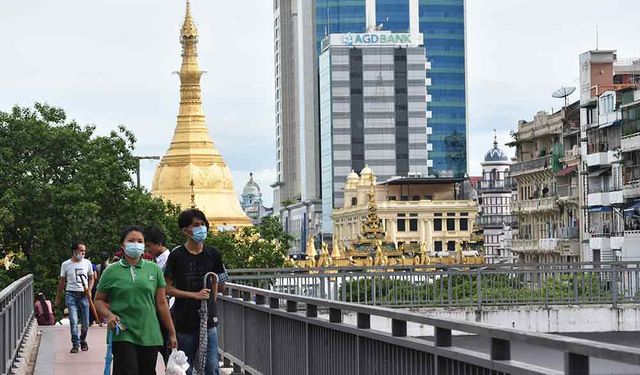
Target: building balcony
[
  {"x": 631, "y": 181},
  {"x": 567, "y": 192},
  {"x": 543, "y": 246},
  {"x": 605, "y": 198},
  {"x": 530, "y": 166},
  {"x": 571, "y": 155},
  {"x": 491, "y": 220},
  {"x": 630, "y": 135},
  {"x": 567, "y": 233},
  {"x": 500, "y": 185},
  {"x": 606, "y": 119},
  {"x": 600, "y": 154},
  {"x": 535, "y": 205},
  {"x": 604, "y": 240}
]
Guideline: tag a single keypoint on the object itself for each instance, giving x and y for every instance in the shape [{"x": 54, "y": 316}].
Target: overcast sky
[{"x": 110, "y": 62}]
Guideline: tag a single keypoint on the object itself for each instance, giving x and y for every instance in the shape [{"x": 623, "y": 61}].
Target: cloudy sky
[{"x": 110, "y": 62}]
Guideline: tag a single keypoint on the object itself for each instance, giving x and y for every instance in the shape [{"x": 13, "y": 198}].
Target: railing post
[
  {"x": 500, "y": 349},
  {"x": 373, "y": 290},
  {"x": 312, "y": 311},
  {"x": 364, "y": 321},
  {"x": 398, "y": 328},
  {"x": 449, "y": 287},
  {"x": 479, "y": 288},
  {"x": 260, "y": 299},
  {"x": 274, "y": 303},
  {"x": 335, "y": 315},
  {"x": 575, "y": 364},
  {"x": 442, "y": 336},
  {"x": 292, "y": 306}
]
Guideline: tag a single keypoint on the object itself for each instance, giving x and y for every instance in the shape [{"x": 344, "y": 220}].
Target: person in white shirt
[
  {"x": 154, "y": 242},
  {"x": 76, "y": 274}
]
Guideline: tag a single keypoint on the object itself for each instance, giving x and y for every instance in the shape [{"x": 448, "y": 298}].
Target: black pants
[{"x": 131, "y": 359}]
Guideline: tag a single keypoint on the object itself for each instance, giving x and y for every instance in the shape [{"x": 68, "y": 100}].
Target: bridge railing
[
  {"x": 16, "y": 312},
  {"x": 435, "y": 286},
  {"x": 265, "y": 332}
]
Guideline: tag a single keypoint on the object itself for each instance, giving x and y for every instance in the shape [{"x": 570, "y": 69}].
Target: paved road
[{"x": 54, "y": 357}]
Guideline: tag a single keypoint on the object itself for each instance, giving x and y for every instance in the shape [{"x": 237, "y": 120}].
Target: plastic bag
[{"x": 177, "y": 364}]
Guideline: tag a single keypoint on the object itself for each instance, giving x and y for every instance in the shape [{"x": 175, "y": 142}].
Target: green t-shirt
[{"x": 132, "y": 295}]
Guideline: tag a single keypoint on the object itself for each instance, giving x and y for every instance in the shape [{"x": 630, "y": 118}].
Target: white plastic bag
[{"x": 177, "y": 364}]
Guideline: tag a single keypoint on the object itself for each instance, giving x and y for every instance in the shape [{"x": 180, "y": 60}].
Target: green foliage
[
  {"x": 59, "y": 181},
  {"x": 264, "y": 246},
  {"x": 463, "y": 290}
]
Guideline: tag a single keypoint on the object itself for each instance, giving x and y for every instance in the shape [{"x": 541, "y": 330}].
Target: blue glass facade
[{"x": 442, "y": 23}]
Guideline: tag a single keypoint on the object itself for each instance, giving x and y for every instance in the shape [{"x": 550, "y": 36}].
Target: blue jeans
[
  {"x": 188, "y": 343},
  {"x": 78, "y": 306}
]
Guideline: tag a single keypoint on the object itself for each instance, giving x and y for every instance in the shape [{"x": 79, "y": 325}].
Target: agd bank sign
[{"x": 379, "y": 39}]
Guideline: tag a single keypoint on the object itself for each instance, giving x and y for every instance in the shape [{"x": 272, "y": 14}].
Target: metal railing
[
  {"x": 265, "y": 332},
  {"x": 16, "y": 312},
  {"x": 630, "y": 128},
  {"x": 631, "y": 174},
  {"x": 525, "y": 166},
  {"x": 494, "y": 219},
  {"x": 485, "y": 185},
  {"x": 460, "y": 286}
]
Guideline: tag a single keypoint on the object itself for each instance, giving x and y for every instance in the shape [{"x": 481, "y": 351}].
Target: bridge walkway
[{"x": 54, "y": 357}]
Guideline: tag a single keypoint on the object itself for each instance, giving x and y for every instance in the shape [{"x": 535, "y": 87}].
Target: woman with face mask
[{"x": 130, "y": 292}]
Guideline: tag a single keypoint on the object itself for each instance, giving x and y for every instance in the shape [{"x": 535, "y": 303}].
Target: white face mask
[
  {"x": 134, "y": 249},
  {"x": 79, "y": 256}
]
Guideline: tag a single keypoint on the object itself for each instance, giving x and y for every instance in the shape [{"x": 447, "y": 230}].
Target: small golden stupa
[{"x": 192, "y": 172}]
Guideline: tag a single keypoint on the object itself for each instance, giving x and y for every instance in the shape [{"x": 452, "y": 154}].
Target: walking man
[
  {"x": 186, "y": 267},
  {"x": 76, "y": 274}
]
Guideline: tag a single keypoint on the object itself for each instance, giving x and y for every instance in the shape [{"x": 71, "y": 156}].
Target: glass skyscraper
[{"x": 443, "y": 24}]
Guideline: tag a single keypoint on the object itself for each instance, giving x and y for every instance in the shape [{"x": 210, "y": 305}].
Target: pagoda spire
[{"x": 192, "y": 168}]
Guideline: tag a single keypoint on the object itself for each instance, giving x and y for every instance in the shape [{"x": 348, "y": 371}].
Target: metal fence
[
  {"x": 16, "y": 312},
  {"x": 452, "y": 286},
  {"x": 265, "y": 332}
]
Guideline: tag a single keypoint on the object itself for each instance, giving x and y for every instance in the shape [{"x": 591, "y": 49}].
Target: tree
[
  {"x": 59, "y": 181},
  {"x": 264, "y": 246}
]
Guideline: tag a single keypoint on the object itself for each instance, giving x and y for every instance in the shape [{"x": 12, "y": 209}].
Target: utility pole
[{"x": 138, "y": 158}]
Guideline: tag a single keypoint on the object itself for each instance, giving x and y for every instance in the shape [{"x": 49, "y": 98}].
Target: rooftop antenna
[{"x": 563, "y": 93}]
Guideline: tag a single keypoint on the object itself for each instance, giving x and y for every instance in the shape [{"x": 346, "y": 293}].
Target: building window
[
  {"x": 464, "y": 224},
  {"x": 451, "y": 224},
  {"x": 392, "y": 198},
  {"x": 451, "y": 245},
  {"x": 451, "y": 214},
  {"x": 413, "y": 225},
  {"x": 354, "y": 201},
  {"x": 415, "y": 198},
  {"x": 402, "y": 225},
  {"x": 437, "y": 225},
  {"x": 438, "y": 214},
  {"x": 437, "y": 246}
]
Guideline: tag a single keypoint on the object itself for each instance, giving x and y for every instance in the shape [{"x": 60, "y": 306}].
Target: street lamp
[{"x": 138, "y": 158}]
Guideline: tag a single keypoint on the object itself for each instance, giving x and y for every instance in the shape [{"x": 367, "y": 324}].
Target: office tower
[
  {"x": 299, "y": 28},
  {"x": 372, "y": 95}
]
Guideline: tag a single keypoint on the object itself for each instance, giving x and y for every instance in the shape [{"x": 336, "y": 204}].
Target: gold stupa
[{"x": 192, "y": 172}]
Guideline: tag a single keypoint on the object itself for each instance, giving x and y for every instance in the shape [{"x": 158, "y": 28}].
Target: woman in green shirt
[{"x": 130, "y": 293}]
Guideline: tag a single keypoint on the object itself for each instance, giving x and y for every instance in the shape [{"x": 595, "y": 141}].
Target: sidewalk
[{"x": 54, "y": 357}]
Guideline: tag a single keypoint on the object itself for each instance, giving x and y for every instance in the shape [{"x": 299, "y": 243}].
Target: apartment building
[
  {"x": 604, "y": 81},
  {"x": 547, "y": 187}
]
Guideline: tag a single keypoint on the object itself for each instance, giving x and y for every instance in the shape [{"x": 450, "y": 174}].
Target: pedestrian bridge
[{"x": 314, "y": 322}]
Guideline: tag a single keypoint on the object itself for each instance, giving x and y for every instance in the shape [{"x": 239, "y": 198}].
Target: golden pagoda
[{"x": 192, "y": 172}]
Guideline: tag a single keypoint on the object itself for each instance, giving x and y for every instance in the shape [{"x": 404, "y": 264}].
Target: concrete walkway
[{"x": 54, "y": 357}]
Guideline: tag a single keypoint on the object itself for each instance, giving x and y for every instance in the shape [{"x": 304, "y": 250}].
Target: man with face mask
[
  {"x": 184, "y": 274},
  {"x": 76, "y": 274}
]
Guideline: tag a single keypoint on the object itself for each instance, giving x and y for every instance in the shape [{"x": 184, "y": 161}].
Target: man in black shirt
[{"x": 184, "y": 275}]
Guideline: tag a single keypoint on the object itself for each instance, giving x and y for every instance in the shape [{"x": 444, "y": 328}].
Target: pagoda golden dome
[{"x": 193, "y": 173}]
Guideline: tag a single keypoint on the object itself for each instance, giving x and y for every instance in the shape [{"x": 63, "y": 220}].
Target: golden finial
[
  {"x": 189, "y": 29},
  {"x": 193, "y": 194}
]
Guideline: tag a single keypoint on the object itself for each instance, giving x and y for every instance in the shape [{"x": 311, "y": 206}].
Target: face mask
[
  {"x": 79, "y": 256},
  {"x": 134, "y": 249},
  {"x": 199, "y": 234}
]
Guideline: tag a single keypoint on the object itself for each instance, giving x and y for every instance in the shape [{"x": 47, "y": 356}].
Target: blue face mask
[
  {"x": 199, "y": 234},
  {"x": 134, "y": 249}
]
